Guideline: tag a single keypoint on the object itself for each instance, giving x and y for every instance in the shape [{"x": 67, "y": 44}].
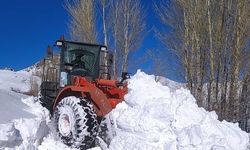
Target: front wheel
[{"x": 76, "y": 122}]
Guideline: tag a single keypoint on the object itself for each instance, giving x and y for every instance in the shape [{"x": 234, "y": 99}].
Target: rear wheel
[
  {"x": 47, "y": 94},
  {"x": 76, "y": 122}
]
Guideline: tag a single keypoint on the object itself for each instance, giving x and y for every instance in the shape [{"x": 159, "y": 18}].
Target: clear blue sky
[{"x": 27, "y": 27}]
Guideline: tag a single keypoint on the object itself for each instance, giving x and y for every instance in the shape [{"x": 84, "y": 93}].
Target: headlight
[
  {"x": 68, "y": 68},
  {"x": 104, "y": 49}
]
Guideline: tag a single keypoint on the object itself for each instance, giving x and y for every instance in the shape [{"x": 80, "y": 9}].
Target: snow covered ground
[
  {"x": 155, "y": 115},
  {"x": 23, "y": 121},
  {"x": 11, "y": 106},
  {"x": 15, "y": 81}
]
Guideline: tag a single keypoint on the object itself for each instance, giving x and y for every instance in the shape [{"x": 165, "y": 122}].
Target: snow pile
[
  {"x": 170, "y": 83},
  {"x": 23, "y": 121},
  {"x": 50, "y": 143},
  {"x": 155, "y": 117},
  {"x": 25, "y": 132},
  {"x": 19, "y": 82},
  {"x": 11, "y": 107}
]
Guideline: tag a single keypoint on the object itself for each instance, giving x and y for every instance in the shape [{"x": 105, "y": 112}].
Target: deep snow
[
  {"x": 23, "y": 121},
  {"x": 25, "y": 132},
  {"x": 15, "y": 81},
  {"x": 155, "y": 115},
  {"x": 11, "y": 106}
]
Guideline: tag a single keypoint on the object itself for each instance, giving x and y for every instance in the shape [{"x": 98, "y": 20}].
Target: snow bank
[
  {"x": 170, "y": 83},
  {"x": 16, "y": 81},
  {"x": 25, "y": 133},
  {"x": 23, "y": 121},
  {"x": 155, "y": 117},
  {"x": 11, "y": 107}
]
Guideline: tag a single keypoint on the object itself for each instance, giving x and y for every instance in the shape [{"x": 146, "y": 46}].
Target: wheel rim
[{"x": 65, "y": 124}]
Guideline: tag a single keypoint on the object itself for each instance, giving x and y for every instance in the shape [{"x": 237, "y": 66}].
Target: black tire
[
  {"x": 76, "y": 122},
  {"x": 47, "y": 94},
  {"x": 46, "y": 101}
]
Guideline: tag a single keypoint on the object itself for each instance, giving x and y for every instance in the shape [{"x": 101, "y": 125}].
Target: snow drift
[
  {"x": 154, "y": 116},
  {"x": 23, "y": 121},
  {"x": 25, "y": 132},
  {"x": 15, "y": 81}
]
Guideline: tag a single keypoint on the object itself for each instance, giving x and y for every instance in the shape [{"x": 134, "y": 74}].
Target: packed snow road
[{"x": 154, "y": 115}]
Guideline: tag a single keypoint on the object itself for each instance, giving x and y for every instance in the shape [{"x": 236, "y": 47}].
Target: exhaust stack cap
[{"x": 59, "y": 43}]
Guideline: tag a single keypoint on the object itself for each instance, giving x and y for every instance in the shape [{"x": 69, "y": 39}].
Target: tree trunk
[
  {"x": 126, "y": 38},
  {"x": 104, "y": 22},
  {"x": 211, "y": 60}
]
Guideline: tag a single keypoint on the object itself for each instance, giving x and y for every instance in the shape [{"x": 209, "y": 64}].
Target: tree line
[{"x": 210, "y": 38}]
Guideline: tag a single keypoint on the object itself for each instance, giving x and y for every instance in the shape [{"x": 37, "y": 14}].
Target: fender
[{"x": 89, "y": 91}]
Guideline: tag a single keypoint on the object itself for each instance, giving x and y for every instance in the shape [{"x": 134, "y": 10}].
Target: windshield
[
  {"x": 83, "y": 58},
  {"x": 78, "y": 58}
]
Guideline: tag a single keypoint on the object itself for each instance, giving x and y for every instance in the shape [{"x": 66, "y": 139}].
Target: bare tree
[
  {"x": 186, "y": 39},
  {"x": 241, "y": 36},
  {"x": 171, "y": 16},
  {"x": 133, "y": 29},
  {"x": 211, "y": 39},
  {"x": 104, "y": 21},
  {"x": 115, "y": 25},
  {"x": 82, "y": 24},
  {"x": 127, "y": 25}
]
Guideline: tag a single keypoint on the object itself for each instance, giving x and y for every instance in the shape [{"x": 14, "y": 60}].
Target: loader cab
[{"x": 82, "y": 59}]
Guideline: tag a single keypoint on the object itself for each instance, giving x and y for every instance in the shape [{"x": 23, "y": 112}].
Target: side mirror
[{"x": 125, "y": 76}]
